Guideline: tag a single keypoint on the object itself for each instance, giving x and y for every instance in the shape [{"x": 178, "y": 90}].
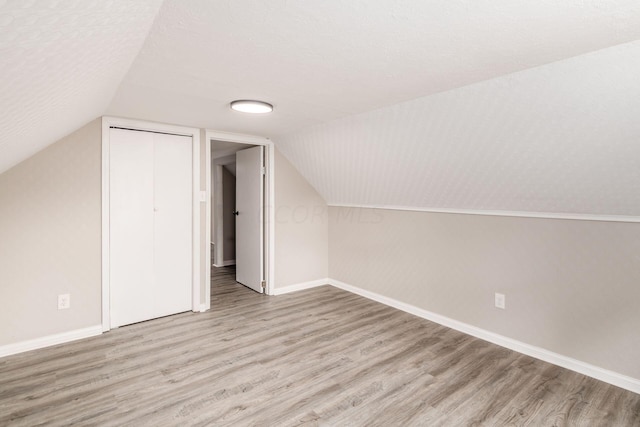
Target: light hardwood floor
[{"x": 316, "y": 357}]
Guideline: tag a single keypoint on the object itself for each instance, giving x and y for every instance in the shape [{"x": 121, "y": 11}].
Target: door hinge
[
  {"x": 263, "y": 284},
  {"x": 263, "y": 170}
]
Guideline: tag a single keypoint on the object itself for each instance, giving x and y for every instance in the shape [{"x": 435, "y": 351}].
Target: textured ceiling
[
  {"x": 322, "y": 60},
  {"x": 561, "y": 138},
  {"x": 436, "y": 104},
  {"x": 60, "y": 65}
]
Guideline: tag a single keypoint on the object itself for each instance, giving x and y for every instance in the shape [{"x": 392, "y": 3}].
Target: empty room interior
[{"x": 333, "y": 213}]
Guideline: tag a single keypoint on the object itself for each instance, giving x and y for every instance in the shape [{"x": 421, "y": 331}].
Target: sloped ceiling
[
  {"x": 332, "y": 68},
  {"x": 60, "y": 65},
  {"x": 561, "y": 138}
]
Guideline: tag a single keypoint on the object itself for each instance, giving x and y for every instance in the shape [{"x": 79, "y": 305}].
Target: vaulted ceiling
[
  {"x": 467, "y": 104},
  {"x": 562, "y": 138},
  {"x": 60, "y": 64}
]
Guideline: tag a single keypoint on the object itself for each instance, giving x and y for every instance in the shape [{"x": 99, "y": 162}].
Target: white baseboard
[
  {"x": 225, "y": 263},
  {"x": 614, "y": 378},
  {"x": 48, "y": 341},
  {"x": 300, "y": 286}
]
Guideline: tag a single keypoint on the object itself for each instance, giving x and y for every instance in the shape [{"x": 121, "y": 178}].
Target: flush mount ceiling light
[{"x": 250, "y": 106}]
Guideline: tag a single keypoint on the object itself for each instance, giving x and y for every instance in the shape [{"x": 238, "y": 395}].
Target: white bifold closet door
[{"x": 150, "y": 225}]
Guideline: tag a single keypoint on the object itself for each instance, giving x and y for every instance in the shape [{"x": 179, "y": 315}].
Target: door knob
[{"x": 236, "y": 213}]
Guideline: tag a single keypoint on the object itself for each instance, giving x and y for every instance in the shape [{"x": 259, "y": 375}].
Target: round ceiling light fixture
[{"x": 251, "y": 106}]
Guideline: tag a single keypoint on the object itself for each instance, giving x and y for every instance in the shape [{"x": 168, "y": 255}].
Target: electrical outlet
[
  {"x": 501, "y": 301},
  {"x": 64, "y": 301}
]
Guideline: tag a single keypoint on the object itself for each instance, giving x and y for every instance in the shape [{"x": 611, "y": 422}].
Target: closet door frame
[{"x": 194, "y": 133}]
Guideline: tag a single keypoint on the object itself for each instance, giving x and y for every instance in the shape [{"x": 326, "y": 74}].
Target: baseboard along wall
[
  {"x": 300, "y": 286},
  {"x": 50, "y": 340},
  {"x": 610, "y": 377},
  {"x": 225, "y": 263}
]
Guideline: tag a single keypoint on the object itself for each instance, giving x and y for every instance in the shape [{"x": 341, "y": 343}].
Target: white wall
[
  {"x": 571, "y": 286},
  {"x": 50, "y": 239},
  {"x": 301, "y": 228}
]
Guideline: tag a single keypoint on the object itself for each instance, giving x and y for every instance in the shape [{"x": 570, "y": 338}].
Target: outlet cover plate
[
  {"x": 64, "y": 301},
  {"x": 501, "y": 301}
]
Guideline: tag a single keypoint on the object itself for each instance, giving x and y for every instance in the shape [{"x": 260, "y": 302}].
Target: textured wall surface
[
  {"x": 301, "y": 235},
  {"x": 60, "y": 64},
  {"x": 561, "y": 138},
  {"x": 50, "y": 239},
  {"x": 571, "y": 286}
]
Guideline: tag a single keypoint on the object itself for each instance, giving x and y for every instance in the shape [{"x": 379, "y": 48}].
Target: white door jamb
[{"x": 269, "y": 203}]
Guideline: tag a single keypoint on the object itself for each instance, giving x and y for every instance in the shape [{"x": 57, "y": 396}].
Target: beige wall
[
  {"x": 572, "y": 287},
  {"x": 50, "y": 239},
  {"x": 301, "y": 227},
  {"x": 50, "y": 236}
]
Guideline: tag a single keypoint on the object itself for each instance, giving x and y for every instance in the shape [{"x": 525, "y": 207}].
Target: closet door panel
[
  {"x": 131, "y": 174},
  {"x": 172, "y": 224}
]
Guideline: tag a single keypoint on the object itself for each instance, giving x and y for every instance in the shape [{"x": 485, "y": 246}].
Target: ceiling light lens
[{"x": 249, "y": 106}]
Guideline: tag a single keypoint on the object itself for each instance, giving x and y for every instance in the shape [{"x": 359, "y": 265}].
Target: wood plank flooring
[{"x": 316, "y": 357}]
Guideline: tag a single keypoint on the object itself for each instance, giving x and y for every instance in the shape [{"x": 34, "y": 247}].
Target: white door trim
[
  {"x": 107, "y": 123},
  {"x": 269, "y": 199}
]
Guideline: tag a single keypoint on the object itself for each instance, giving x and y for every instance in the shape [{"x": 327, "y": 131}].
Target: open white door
[{"x": 249, "y": 219}]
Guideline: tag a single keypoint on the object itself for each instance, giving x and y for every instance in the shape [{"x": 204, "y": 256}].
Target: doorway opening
[
  {"x": 223, "y": 202},
  {"x": 239, "y": 209}
]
